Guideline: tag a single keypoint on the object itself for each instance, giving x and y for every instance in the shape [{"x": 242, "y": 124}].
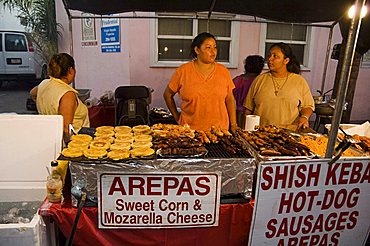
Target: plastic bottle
[{"x": 54, "y": 184}]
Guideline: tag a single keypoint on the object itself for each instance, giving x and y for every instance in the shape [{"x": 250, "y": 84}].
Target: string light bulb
[{"x": 351, "y": 11}]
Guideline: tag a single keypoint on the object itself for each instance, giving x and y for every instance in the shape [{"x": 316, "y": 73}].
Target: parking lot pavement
[{"x": 13, "y": 98}]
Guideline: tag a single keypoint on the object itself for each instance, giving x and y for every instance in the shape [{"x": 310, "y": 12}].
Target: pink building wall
[{"x": 106, "y": 71}]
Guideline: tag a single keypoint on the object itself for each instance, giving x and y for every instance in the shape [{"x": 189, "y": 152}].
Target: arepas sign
[
  {"x": 158, "y": 200},
  {"x": 312, "y": 203}
]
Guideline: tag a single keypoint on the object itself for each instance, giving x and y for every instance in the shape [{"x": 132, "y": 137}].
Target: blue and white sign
[{"x": 110, "y": 35}]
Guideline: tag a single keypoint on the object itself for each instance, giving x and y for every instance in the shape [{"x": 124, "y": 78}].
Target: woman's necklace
[{"x": 277, "y": 87}]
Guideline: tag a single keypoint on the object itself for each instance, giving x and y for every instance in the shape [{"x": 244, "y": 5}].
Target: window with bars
[
  {"x": 297, "y": 36},
  {"x": 174, "y": 34}
]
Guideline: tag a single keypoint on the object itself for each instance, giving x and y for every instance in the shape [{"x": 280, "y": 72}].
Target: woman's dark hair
[
  {"x": 293, "y": 65},
  {"x": 198, "y": 41},
  {"x": 59, "y": 65},
  {"x": 254, "y": 64}
]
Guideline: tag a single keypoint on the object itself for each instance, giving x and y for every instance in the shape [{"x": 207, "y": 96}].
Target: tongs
[
  {"x": 347, "y": 141},
  {"x": 71, "y": 130}
]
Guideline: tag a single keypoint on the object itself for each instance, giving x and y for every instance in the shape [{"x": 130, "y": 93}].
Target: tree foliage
[{"x": 38, "y": 17}]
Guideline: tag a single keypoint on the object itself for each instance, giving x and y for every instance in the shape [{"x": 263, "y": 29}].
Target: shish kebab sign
[
  {"x": 312, "y": 203},
  {"x": 158, "y": 200}
]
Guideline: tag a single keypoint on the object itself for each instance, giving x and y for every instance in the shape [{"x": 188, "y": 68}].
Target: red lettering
[
  {"x": 139, "y": 185},
  {"x": 285, "y": 202},
  {"x": 304, "y": 241},
  {"x": 349, "y": 173},
  {"x": 295, "y": 226},
  {"x": 120, "y": 206},
  {"x": 313, "y": 175},
  {"x": 330, "y": 222},
  {"x": 170, "y": 183},
  {"x": 292, "y": 241},
  {"x": 311, "y": 194},
  {"x": 299, "y": 205},
  {"x": 324, "y": 240},
  {"x": 301, "y": 175},
  {"x": 331, "y": 178},
  {"x": 307, "y": 224},
  {"x": 356, "y": 173},
  {"x": 199, "y": 183},
  {"x": 352, "y": 201},
  {"x": 318, "y": 224},
  {"x": 353, "y": 219},
  {"x": 315, "y": 239},
  {"x": 108, "y": 217},
  {"x": 344, "y": 171},
  {"x": 117, "y": 182},
  {"x": 281, "y": 242},
  {"x": 340, "y": 198},
  {"x": 335, "y": 238},
  {"x": 130, "y": 206},
  {"x": 280, "y": 176},
  {"x": 283, "y": 229},
  {"x": 366, "y": 176},
  {"x": 185, "y": 187},
  {"x": 266, "y": 184},
  {"x": 291, "y": 177},
  {"x": 341, "y": 221},
  {"x": 328, "y": 199},
  {"x": 271, "y": 227},
  {"x": 150, "y": 185}
]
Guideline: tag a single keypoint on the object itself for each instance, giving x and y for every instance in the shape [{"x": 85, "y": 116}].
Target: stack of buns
[{"x": 117, "y": 143}]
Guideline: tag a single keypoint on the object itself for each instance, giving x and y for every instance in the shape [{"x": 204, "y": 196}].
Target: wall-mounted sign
[
  {"x": 158, "y": 200},
  {"x": 88, "y": 30},
  {"x": 365, "y": 63},
  {"x": 110, "y": 35},
  {"x": 312, "y": 203}
]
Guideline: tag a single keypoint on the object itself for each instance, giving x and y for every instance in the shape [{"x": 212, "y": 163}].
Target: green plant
[{"x": 38, "y": 17}]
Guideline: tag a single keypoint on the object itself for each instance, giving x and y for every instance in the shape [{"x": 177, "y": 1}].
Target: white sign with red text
[
  {"x": 312, "y": 203},
  {"x": 158, "y": 200}
]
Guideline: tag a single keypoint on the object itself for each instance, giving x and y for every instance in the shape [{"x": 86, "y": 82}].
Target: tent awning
[{"x": 297, "y": 11}]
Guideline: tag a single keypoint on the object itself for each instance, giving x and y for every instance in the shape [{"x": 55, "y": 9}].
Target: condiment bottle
[{"x": 54, "y": 184}]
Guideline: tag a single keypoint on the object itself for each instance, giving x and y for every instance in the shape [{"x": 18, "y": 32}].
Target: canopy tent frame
[
  {"x": 261, "y": 21},
  {"x": 345, "y": 70}
]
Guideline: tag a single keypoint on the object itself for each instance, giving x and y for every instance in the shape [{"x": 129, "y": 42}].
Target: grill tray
[
  {"x": 218, "y": 151},
  {"x": 214, "y": 151}
]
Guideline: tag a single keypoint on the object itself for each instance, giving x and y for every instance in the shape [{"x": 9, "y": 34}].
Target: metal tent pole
[
  {"x": 327, "y": 56},
  {"x": 70, "y": 33},
  {"x": 345, "y": 76}
]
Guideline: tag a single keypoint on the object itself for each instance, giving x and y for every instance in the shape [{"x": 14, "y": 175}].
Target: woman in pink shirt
[
  {"x": 253, "y": 66},
  {"x": 205, "y": 88}
]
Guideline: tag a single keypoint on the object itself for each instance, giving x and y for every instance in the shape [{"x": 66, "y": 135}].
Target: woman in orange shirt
[{"x": 205, "y": 88}]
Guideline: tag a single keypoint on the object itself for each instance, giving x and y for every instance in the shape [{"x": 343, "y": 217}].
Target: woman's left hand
[
  {"x": 302, "y": 122},
  {"x": 233, "y": 128}
]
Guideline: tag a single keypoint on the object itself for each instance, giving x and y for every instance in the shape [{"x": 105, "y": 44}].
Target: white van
[{"x": 18, "y": 59}]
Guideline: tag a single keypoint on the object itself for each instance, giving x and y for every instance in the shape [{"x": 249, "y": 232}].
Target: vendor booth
[
  {"x": 216, "y": 197},
  {"x": 227, "y": 191},
  {"x": 105, "y": 222}
]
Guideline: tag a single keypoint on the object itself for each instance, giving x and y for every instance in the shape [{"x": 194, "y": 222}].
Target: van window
[{"x": 15, "y": 42}]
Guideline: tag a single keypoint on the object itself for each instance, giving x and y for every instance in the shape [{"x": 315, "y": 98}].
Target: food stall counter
[{"x": 233, "y": 228}]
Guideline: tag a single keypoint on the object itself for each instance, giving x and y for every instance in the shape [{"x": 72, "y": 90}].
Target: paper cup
[{"x": 251, "y": 121}]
